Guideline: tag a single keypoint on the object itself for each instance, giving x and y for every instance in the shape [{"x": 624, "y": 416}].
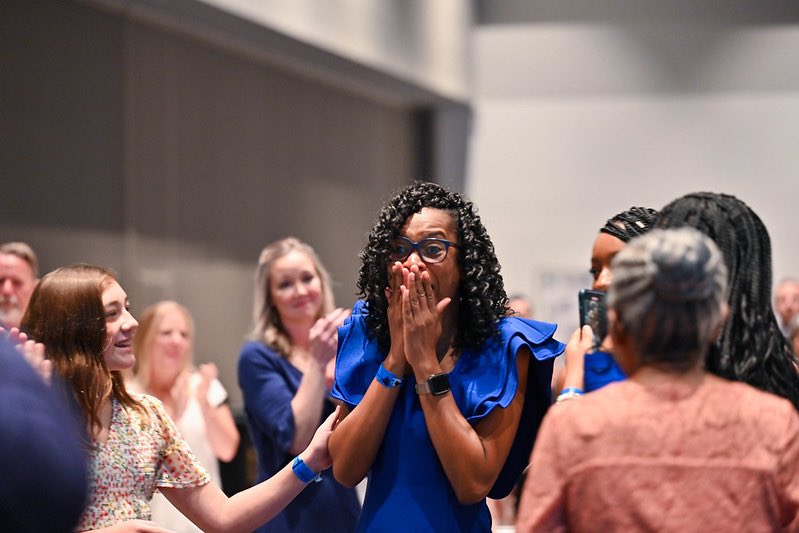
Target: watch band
[
  {"x": 303, "y": 472},
  {"x": 436, "y": 385},
  {"x": 386, "y": 378}
]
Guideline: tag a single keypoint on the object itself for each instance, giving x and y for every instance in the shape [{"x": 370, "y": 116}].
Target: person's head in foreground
[
  {"x": 684, "y": 450},
  {"x": 42, "y": 459},
  {"x": 667, "y": 300}
]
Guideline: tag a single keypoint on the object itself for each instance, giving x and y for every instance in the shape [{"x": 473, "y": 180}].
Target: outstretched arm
[{"x": 209, "y": 508}]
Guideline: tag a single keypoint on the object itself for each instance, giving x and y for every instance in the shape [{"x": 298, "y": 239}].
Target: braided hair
[
  {"x": 481, "y": 294},
  {"x": 751, "y": 347},
  {"x": 631, "y": 223}
]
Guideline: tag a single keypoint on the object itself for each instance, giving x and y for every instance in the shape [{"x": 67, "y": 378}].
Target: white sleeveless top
[{"x": 192, "y": 427}]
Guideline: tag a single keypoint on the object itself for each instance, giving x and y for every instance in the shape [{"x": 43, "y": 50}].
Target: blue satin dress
[{"x": 408, "y": 489}]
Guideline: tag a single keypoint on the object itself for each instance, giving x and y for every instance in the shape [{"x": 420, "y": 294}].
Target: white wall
[
  {"x": 576, "y": 121},
  {"x": 423, "y": 42}
]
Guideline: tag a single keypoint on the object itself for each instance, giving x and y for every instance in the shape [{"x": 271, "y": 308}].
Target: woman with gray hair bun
[{"x": 673, "y": 448}]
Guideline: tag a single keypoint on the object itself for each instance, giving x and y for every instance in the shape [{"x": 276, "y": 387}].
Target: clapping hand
[
  {"x": 208, "y": 373},
  {"x": 324, "y": 336},
  {"x": 32, "y": 351}
]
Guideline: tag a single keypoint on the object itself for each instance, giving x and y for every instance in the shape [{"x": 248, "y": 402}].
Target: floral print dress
[{"x": 136, "y": 459}]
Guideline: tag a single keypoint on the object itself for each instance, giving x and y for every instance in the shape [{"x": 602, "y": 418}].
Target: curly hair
[
  {"x": 481, "y": 293},
  {"x": 751, "y": 347}
]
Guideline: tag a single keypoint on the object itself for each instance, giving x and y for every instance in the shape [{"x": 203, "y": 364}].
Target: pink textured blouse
[
  {"x": 135, "y": 459},
  {"x": 718, "y": 456}
]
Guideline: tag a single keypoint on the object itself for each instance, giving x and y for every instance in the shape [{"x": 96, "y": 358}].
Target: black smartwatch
[{"x": 437, "y": 384}]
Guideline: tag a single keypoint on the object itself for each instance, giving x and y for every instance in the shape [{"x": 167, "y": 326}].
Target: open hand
[
  {"x": 32, "y": 351},
  {"x": 208, "y": 373},
  {"x": 397, "y": 278},
  {"x": 422, "y": 317}
]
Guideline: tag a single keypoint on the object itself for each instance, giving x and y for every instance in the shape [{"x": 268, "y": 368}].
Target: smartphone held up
[{"x": 594, "y": 312}]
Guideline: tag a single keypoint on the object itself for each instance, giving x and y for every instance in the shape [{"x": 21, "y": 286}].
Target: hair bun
[{"x": 682, "y": 268}]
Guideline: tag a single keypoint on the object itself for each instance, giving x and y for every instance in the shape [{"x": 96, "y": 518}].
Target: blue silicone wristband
[
  {"x": 386, "y": 378},
  {"x": 302, "y": 471},
  {"x": 572, "y": 390}
]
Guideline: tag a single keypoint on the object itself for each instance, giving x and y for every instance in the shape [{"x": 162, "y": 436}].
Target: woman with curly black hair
[{"x": 443, "y": 391}]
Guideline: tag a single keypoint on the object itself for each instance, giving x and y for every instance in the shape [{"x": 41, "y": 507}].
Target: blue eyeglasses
[{"x": 430, "y": 250}]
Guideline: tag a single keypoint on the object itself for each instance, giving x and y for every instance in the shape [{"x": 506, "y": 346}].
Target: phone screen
[{"x": 593, "y": 312}]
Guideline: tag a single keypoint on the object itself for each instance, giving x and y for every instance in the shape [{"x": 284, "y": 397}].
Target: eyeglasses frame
[{"x": 417, "y": 247}]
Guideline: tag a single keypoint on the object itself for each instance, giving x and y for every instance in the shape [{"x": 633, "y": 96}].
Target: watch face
[{"x": 439, "y": 383}]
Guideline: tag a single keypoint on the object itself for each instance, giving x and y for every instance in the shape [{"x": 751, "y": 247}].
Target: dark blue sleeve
[
  {"x": 267, "y": 397},
  {"x": 357, "y": 359}
]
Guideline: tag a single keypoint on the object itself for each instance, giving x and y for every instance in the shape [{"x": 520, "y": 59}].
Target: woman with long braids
[
  {"x": 443, "y": 390},
  {"x": 674, "y": 447},
  {"x": 751, "y": 347},
  {"x": 591, "y": 371},
  {"x": 82, "y": 316}
]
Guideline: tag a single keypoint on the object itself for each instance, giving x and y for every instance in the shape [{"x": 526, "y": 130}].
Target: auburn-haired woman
[{"x": 81, "y": 314}]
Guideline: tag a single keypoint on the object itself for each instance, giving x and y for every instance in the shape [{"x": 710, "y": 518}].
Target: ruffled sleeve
[
  {"x": 482, "y": 379},
  {"x": 179, "y": 468},
  {"x": 357, "y": 359},
  {"x": 490, "y": 378}
]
